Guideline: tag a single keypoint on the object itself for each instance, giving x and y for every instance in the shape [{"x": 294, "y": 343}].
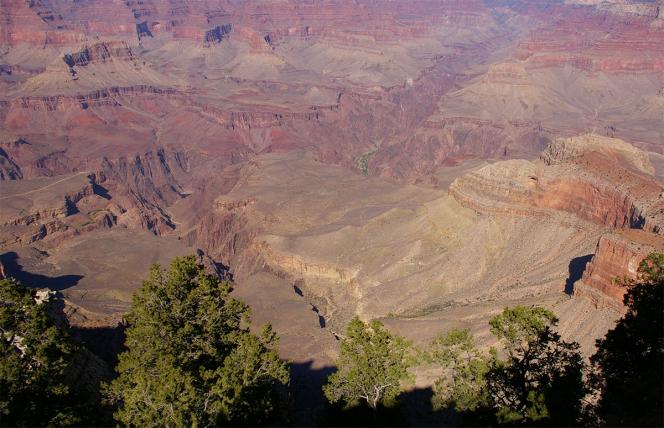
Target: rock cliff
[
  {"x": 616, "y": 259},
  {"x": 596, "y": 179}
]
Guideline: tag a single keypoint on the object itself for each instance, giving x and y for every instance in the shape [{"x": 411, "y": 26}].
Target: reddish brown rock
[
  {"x": 616, "y": 260},
  {"x": 597, "y": 179},
  {"x": 173, "y": 103},
  {"x": 634, "y": 44},
  {"x": 43, "y": 23},
  {"x": 99, "y": 53}
]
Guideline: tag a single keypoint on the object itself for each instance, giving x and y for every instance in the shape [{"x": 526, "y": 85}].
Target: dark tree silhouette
[
  {"x": 541, "y": 381},
  {"x": 629, "y": 363}
]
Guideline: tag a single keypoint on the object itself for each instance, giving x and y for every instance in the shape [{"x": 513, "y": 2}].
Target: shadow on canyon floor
[
  {"x": 100, "y": 190},
  {"x": 12, "y": 268},
  {"x": 576, "y": 268},
  {"x": 106, "y": 342},
  {"x": 309, "y": 407}
]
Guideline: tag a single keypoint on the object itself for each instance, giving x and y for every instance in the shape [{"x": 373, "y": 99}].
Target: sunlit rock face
[{"x": 616, "y": 262}]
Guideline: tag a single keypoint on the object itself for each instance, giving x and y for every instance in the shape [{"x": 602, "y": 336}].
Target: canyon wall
[
  {"x": 614, "y": 264},
  {"x": 596, "y": 179}
]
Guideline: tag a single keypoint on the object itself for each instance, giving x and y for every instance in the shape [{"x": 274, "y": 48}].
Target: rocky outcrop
[
  {"x": 261, "y": 119},
  {"x": 568, "y": 149},
  {"x": 615, "y": 262},
  {"x": 23, "y": 160},
  {"x": 228, "y": 233},
  {"x": 634, "y": 44},
  {"x": 60, "y": 207},
  {"x": 102, "y": 97},
  {"x": 596, "y": 179},
  {"x": 623, "y": 7},
  {"x": 9, "y": 170},
  {"x": 520, "y": 187},
  {"x": 41, "y": 20},
  {"x": 217, "y": 34},
  {"x": 129, "y": 191},
  {"x": 99, "y": 53},
  {"x": 144, "y": 186}
]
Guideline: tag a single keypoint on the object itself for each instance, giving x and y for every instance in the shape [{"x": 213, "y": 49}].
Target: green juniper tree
[
  {"x": 371, "y": 368},
  {"x": 628, "y": 367},
  {"x": 35, "y": 362},
  {"x": 541, "y": 381},
  {"x": 191, "y": 359},
  {"x": 463, "y": 385}
]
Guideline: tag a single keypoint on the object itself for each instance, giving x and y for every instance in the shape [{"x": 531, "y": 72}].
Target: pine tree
[
  {"x": 191, "y": 359},
  {"x": 371, "y": 368},
  {"x": 463, "y": 386},
  {"x": 35, "y": 362},
  {"x": 541, "y": 381}
]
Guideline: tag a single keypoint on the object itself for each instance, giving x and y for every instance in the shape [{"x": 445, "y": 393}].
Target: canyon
[{"x": 421, "y": 162}]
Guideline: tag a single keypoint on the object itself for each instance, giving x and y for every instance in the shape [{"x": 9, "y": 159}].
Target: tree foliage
[
  {"x": 463, "y": 385},
  {"x": 190, "y": 359},
  {"x": 628, "y": 367},
  {"x": 371, "y": 368},
  {"x": 541, "y": 381},
  {"x": 35, "y": 358}
]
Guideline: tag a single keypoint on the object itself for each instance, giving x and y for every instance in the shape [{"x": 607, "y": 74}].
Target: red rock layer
[
  {"x": 596, "y": 41},
  {"x": 43, "y": 22},
  {"x": 596, "y": 185},
  {"x": 597, "y": 179},
  {"x": 616, "y": 259}
]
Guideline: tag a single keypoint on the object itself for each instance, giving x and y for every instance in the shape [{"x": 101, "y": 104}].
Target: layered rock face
[
  {"x": 553, "y": 82},
  {"x": 601, "y": 180},
  {"x": 99, "y": 52},
  {"x": 365, "y": 79},
  {"x": 624, "y": 7},
  {"x": 636, "y": 36},
  {"x": 597, "y": 179},
  {"x": 61, "y": 208},
  {"x": 372, "y": 248},
  {"x": 52, "y": 22},
  {"x": 616, "y": 261}
]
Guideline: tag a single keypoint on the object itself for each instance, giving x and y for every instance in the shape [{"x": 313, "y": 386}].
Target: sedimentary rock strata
[
  {"x": 310, "y": 145},
  {"x": 615, "y": 263},
  {"x": 598, "y": 179}
]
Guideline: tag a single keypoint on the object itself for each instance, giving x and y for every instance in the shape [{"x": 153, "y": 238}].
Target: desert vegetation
[{"x": 191, "y": 359}]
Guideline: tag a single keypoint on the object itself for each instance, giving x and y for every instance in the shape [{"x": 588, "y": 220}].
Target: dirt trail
[{"x": 44, "y": 187}]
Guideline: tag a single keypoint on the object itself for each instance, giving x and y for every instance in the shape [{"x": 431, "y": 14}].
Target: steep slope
[{"x": 601, "y": 180}]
